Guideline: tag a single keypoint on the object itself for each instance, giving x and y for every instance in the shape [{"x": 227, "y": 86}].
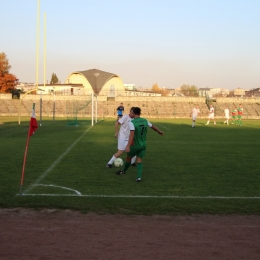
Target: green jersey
[
  {"x": 240, "y": 111},
  {"x": 139, "y": 125}
]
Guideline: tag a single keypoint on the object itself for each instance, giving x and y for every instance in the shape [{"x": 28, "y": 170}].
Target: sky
[{"x": 206, "y": 43}]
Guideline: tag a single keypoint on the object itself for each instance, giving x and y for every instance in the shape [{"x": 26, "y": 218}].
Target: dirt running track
[{"x": 52, "y": 234}]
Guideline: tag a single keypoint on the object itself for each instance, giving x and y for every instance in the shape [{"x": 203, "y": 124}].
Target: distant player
[
  {"x": 120, "y": 111},
  {"x": 234, "y": 116},
  {"x": 194, "y": 113},
  {"x": 239, "y": 114},
  {"x": 211, "y": 115},
  {"x": 226, "y": 113}
]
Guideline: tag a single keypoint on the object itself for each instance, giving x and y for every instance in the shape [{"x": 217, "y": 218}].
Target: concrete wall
[{"x": 164, "y": 107}]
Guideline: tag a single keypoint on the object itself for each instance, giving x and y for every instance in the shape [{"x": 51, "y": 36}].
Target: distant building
[
  {"x": 211, "y": 92},
  {"x": 239, "y": 92},
  {"x": 255, "y": 92},
  {"x": 203, "y": 92},
  {"x": 60, "y": 89},
  {"x": 98, "y": 82},
  {"x": 130, "y": 87},
  {"x": 24, "y": 86}
]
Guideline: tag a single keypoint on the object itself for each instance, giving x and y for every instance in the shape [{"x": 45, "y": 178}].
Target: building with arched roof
[{"x": 98, "y": 82}]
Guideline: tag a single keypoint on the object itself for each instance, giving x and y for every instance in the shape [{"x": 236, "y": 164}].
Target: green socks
[{"x": 139, "y": 170}]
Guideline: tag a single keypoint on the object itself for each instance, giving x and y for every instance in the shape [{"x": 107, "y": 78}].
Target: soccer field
[{"x": 208, "y": 169}]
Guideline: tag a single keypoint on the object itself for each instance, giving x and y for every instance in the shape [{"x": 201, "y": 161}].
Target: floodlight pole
[
  {"x": 92, "y": 108},
  {"x": 53, "y": 119}
]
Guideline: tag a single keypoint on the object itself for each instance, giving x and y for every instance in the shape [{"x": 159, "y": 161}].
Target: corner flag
[
  {"x": 33, "y": 122},
  {"x": 32, "y": 128}
]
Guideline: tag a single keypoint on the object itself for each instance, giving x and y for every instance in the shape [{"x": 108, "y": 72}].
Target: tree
[
  {"x": 188, "y": 90},
  {"x": 155, "y": 88},
  {"x": 8, "y": 81},
  {"x": 194, "y": 91},
  {"x": 4, "y": 64},
  {"x": 54, "y": 79}
]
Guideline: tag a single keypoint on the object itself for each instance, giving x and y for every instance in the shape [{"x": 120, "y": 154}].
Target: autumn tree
[
  {"x": 8, "y": 81},
  {"x": 155, "y": 88},
  {"x": 54, "y": 79},
  {"x": 4, "y": 64}
]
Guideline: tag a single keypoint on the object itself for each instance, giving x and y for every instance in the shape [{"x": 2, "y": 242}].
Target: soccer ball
[{"x": 118, "y": 162}]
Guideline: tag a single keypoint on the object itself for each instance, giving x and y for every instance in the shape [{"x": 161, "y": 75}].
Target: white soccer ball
[{"x": 118, "y": 162}]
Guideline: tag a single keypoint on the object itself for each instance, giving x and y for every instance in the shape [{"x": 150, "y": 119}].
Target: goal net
[{"x": 81, "y": 106}]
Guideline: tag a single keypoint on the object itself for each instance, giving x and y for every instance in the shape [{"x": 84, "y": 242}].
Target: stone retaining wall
[{"x": 165, "y": 107}]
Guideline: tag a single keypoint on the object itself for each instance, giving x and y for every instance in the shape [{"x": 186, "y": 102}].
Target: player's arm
[
  {"x": 116, "y": 128},
  {"x": 156, "y": 129},
  {"x": 131, "y": 137}
]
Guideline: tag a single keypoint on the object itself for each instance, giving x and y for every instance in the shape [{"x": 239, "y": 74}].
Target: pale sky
[{"x": 206, "y": 43}]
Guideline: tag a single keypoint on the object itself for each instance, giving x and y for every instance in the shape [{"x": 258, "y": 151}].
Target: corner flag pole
[{"x": 32, "y": 127}]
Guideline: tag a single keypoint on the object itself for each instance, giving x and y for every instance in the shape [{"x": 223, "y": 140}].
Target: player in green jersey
[
  {"x": 137, "y": 142},
  {"x": 239, "y": 114},
  {"x": 234, "y": 116}
]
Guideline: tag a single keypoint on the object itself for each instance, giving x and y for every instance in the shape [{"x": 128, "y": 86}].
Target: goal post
[
  {"x": 94, "y": 110},
  {"x": 82, "y": 106}
]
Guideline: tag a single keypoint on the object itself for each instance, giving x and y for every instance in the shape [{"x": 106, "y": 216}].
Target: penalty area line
[{"x": 141, "y": 196}]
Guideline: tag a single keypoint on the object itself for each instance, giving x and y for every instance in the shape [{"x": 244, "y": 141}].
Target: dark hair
[
  {"x": 132, "y": 108},
  {"x": 137, "y": 111}
]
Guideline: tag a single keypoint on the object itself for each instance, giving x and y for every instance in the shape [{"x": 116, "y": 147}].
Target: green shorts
[
  {"x": 239, "y": 116},
  {"x": 134, "y": 151}
]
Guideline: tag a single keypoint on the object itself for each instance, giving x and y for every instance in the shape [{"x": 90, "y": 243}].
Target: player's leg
[
  {"x": 193, "y": 122},
  {"x": 134, "y": 158},
  {"x": 140, "y": 156},
  {"x": 121, "y": 148},
  {"x": 133, "y": 161},
  {"x": 116, "y": 155},
  {"x": 239, "y": 120},
  {"x": 129, "y": 156}
]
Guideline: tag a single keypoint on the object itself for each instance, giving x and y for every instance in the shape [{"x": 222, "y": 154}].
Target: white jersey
[
  {"x": 195, "y": 111},
  {"x": 124, "y": 131},
  {"x": 226, "y": 111},
  {"x": 211, "y": 112}
]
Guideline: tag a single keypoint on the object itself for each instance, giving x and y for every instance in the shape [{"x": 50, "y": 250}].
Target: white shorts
[
  {"x": 121, "y": 144},
  {"x": 211, "y": 116},
  {"x": 194, "y": 118},
  {"x": 227, "y": 116}
]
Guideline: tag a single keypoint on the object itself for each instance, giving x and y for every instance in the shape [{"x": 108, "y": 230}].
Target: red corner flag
[
  {"x": 32, "y": 128},
  {"x": 33, "y": 122}
]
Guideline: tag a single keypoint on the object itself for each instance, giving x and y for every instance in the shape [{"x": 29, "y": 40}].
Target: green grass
[{"x": 209, "y": 169}]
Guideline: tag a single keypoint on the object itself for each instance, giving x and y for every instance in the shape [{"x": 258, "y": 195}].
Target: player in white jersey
[
  {"x": 194, "y": 113},
  {"x": 211, "y": 115},
  {"x": 226, "y": 112},
  {"x": 122, "y": 137}
]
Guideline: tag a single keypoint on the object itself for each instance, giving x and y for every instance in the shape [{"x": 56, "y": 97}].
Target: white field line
[
  {"x": 142, "y": 196},
  {"x": 163, "y": 127},
  {"x": 55, "y": 163},
  {"x": 60, "y": 187}
]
